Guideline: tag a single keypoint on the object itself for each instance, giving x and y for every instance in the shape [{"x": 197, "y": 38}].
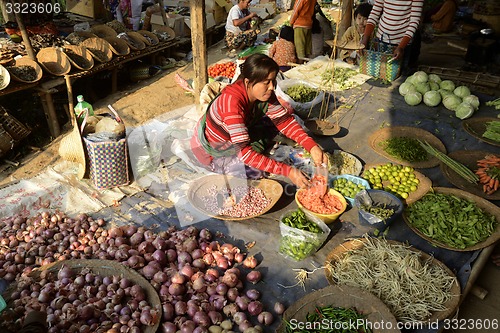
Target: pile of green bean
[
  {"x": 382, "y": 212},
  {"x": 451, "y": 220},
  {"x": 492, "y": 131},
  {"x": 405, "y": 149},
  {"x": 301, "y": 93},
  {"x": 328, "y": 318}
]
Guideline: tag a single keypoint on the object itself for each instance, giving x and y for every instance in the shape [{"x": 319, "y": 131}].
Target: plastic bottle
[{"x": 81, "y": 107}]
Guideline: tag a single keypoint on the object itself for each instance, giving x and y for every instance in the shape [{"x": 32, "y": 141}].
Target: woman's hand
[
  {"x": 299, "y": 178},
  {"x": 398, "y": 53},
  {"x": 318, "y": 155}
]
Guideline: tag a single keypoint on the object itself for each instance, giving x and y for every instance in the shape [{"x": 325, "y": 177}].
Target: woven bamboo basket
[
  {"x": 4, "y": 77},
  {"x": 54, "y": 61},
  {"x": 77, "y": 37},
  {"x": 103, "y": 30},
  {"x": 103, "y": 268},
  {"x": 13, "y": 126},
  {"x": 79, "y": 57},
  {"x": 6, "y": 141},
  {"x": 99, "y": 48},
  {"x": 26, "y": 61},
  {"x": 118, "y": 46},
  {"x": 164, "y": 33},
  {"x": 134, "y": 40},
  {"x": 149, "y": 37}
]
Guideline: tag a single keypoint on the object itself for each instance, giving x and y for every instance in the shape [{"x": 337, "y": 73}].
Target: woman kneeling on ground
[
  {"x": 239, "y": 32},
  {"x": 241, "y": 122}
]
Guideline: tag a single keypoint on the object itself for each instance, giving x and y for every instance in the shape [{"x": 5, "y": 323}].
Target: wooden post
[
  {"x": 25, "y": 36},
  {"x": 199, "y": 46},
  {"x": 6, "y": 16},
  {"x": 346, "y": 17}
]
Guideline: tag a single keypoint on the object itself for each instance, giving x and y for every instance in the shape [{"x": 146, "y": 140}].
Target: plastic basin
[
  {"x": 355, "y": 180},
  {"x": 327, "y": 218},
  {"x": 380, "y": 198}
]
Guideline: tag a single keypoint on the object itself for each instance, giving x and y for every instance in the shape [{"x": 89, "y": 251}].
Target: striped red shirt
[
  {"x": 227, "y": 124},
  {"x": 398, "y": 20}
]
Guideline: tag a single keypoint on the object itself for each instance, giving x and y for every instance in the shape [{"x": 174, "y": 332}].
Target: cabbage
[
  {"x": 434, "y": 78},
  {"x": 447, "y": 85},
  {"x": 451, "y": 102},
  {"x": 444, "y": 93},
  {"x": 406, "y": 87},
  {"x": 464, "y": 110},
  {"x": 413, "y": 98},
  {"x": 420, "y": 77},
  {"x": 472, "y": 100},
  {"x": 461, "y": 91},
  {"x": 422, "y": 87},
  {"x": 410, "y": 79},
  {"x": 434, "y": 85},
  {"x": 432, "y": 98}
]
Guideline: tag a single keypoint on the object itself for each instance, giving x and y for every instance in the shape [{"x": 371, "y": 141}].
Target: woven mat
[{"x": 485, "y": 205}]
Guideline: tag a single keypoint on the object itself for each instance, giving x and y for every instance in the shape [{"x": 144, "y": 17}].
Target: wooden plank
[{"x": 199, "y": 45}]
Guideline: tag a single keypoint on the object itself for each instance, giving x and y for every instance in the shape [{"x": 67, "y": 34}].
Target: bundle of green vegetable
[
  {"x": 495, "y": 103},
  {"x": 382, "y": 212},
  {"x": 412, "y": 288},
  {"x": 333, "y": 317},
  {"x": 450, "y": 220},
  {"x": 434, "y": 91},
  {"x": 404, "y": 149},
  {"x": 492, "y": 131},
  {"x": 301, "y": 93},
  {"x": 339, "y": 76}
]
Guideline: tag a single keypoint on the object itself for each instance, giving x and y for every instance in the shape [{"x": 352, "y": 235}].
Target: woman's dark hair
[
  {"x": 286, "y": 33},
  {"x": 257, "y": 68},
  {"x": 363, "y": 9}
]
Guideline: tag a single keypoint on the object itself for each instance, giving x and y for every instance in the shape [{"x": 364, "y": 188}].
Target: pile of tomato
[{"x": 226, "y": 69}]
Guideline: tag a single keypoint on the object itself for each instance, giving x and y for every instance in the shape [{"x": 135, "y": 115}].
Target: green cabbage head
[
  {"x": 405, "y": 88},
  {"x": 464, "y": 110},
  {"x": 447, "y": 85},
  {"x": 432, "y": 98},
  {"x": 451, "y": 102},
  {"x": 434, "y": 85},
  {"x": 413, "y": 98},
  {"x": 472, "y": 100},
  {"x": 423, "y": 87},
  {"x": 420, "y": 77},
  {"x": 461, "y": 91},
  {"x": 444, "y": 93},
  {"x": 434, "y": 78}
]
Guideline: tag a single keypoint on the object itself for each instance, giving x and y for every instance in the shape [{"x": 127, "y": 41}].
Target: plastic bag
[
  {"x": 301, "y": 109},
  {"x": 364, "y": 199},
  {"x": 299, "y": 244}
]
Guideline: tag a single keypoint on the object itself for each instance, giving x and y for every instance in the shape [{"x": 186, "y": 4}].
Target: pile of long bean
[
  {"x": 412, "y": 288},
  {"x": 328, "y": 318},
  {"x": 492, "y": 131},
  {"x": 456, "y": 166},
  {"x": 451, "y": 220},
  {"x": 405, "y": 149}
]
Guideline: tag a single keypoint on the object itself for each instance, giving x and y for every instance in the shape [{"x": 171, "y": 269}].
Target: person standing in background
[
  {"x": 301, "y": 21},
  {"x": 355, "y": 33},
  {"x": 442, "y": 21},
  {"x": 397, "y": 23}
]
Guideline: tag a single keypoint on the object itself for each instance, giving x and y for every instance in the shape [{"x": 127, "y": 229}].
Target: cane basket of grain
[
  {"x": 99, "y": 48},
  {"x": 26, "y": 70},
  {"x": 54, "y": 61},
  {"x": 103, "y": 30},
  {"x": 118, "y": 46},
  {"x": 79, "y": 57}
]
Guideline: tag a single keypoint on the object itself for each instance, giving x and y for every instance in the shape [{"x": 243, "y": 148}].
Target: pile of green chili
[
  {"x": 405, "y": 149},
  {"x": 451, "y": 220}
]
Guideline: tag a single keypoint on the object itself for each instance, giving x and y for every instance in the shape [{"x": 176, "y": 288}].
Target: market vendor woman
[{"x": 240, "y": 122}]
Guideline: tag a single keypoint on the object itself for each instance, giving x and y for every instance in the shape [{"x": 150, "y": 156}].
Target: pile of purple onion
[{"x": 203, "y": 285}]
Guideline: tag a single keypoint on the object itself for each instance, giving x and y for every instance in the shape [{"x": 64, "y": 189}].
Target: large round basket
[
  {"x": 118, "y": 46},
  {"x": 365, "y": 303},
  {"x": 150, "y": 38},
  {"x": 477, "y": 126},
  {"x": 376, "y": 141},
  {"x": 24, "y": 62},
  {"x": 201, "y": 189},
  {"x": 99, "y": 48},
  {"x": 54, "y": 61},
  {"x": 343, "y": 249},
  {"x": 468, "y": 158},
  {"x": 485, "y": 205},
  {"x": 4, "y": 77},
  {"x": 105, "y": 268},
  {"x": 77, "y": 37},
  {"x": 79, "y": 57},
  {"x": 103, "y": 30}
]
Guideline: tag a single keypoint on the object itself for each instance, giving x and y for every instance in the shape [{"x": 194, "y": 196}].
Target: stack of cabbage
[{"x": 432, "y": 90}]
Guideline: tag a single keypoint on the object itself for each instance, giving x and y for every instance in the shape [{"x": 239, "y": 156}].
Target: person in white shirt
[{"x": 239, "y": 31}]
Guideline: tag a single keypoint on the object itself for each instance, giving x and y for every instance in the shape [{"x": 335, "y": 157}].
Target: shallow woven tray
[
  {"x": 105, "y": 268},
  {"x": 342, "y": 296},
  {"x": 199, "y": 189},
  {"x": 137, "y": 42},
  {"x": 103, "y": 30},
  {"x": 423, "y": 187},
  {"x": 101, "y": 45},
  {"x": 149, "y": 37},
  {"x": 480, "y": 202},
  {"x": 477, "y": 126},
  {"x": 118, "y": 46},
  {"x": 27, "y": 61},
  {"x": 341, "y": 250},
  {"x": 84, "y": 53},
  {"x": 469, "y": 159},
  {"x": 77, "y": 35},
  {"x": 404, "y": 131},
  {"x": 5, "y": 76},
  {"x": 163, "y": 28},
  {"x": 54, "y": 61}
]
